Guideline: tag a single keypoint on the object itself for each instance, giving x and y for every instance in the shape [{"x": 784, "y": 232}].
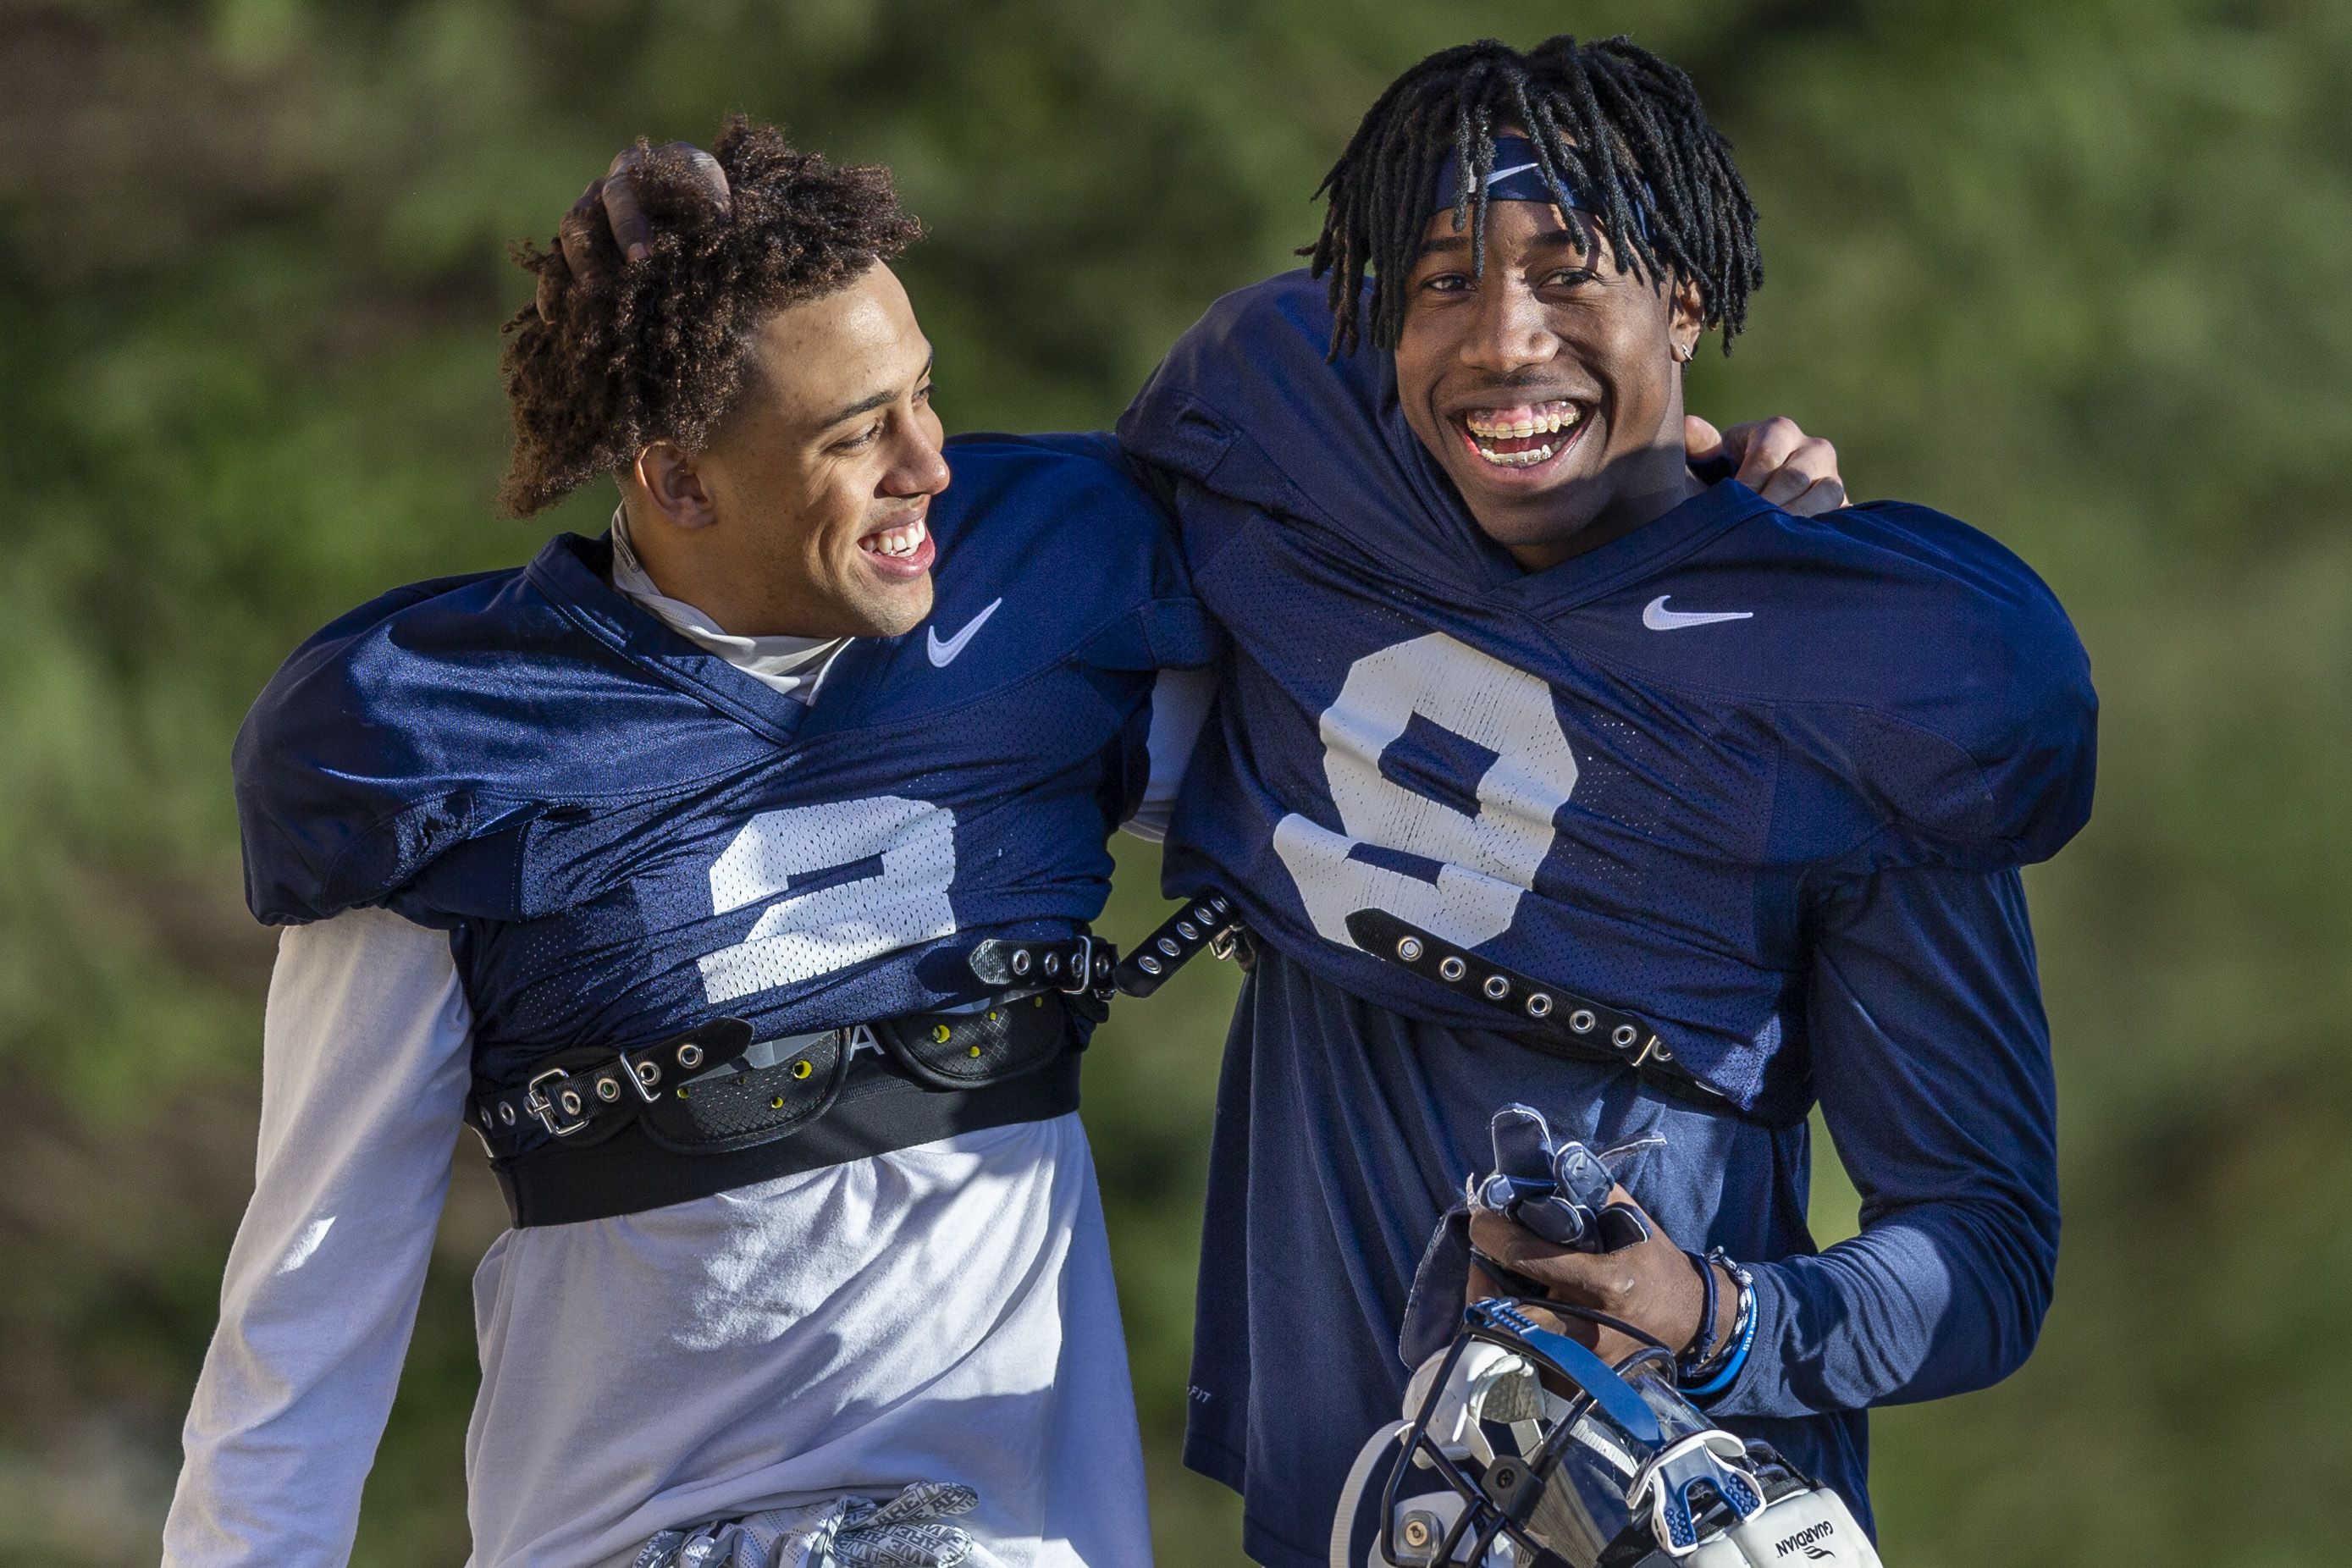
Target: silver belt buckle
[{"x": 566, "y": 1103}]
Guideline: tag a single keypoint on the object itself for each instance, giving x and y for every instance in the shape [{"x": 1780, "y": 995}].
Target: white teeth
[{"x": 903, "y": 541}]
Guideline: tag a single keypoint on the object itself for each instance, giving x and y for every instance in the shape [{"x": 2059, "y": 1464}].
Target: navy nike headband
[{"x": 1517, "y": 178}]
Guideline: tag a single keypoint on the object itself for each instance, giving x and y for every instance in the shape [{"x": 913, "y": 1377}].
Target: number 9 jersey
[
  {"x": 1623, "y": 776},
  {"x": 627, "y": 836}
]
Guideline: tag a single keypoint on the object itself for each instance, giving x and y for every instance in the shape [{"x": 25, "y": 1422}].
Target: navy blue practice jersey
[
  {"x": 625, "y": 835},
  {"x": 1621, "y": 775},
  {"x": 1764, "y": 781}
]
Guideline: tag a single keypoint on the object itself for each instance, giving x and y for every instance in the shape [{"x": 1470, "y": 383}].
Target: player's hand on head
[
  {"x": 1649, "y": 1284},
  {"x": 1794, "y": 471},
  {"x": 607, "y": 227}
]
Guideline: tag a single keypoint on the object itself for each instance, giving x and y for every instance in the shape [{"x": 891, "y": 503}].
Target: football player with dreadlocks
[
  {"x": 1548, "y": 769},
  {"x": 1779, "y": 458}
]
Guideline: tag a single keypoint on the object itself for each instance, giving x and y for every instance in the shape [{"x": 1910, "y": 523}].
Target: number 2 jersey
[
  {"x": 516, "y": 813},
  {"x": 626, "y": 836},
  {"x": 1763, "y": 780}
]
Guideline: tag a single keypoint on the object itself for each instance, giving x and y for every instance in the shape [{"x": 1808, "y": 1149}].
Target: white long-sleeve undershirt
[{"x": 944, "y": 1312}]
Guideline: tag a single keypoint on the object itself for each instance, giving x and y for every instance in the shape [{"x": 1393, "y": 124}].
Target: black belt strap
[
  {"x": 574, "y": 1091},
  {"x": 1075, "y": 966},
  {"x": 1206, "y": 923},
  {"x": 1546, "y": 1016}
]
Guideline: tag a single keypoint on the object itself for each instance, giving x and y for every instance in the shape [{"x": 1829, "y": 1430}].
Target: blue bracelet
[{"x": 1745, "y": 1333}]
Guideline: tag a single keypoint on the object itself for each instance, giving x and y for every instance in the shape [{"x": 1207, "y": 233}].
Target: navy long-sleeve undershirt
[{"x": 1344, "y": 1131}]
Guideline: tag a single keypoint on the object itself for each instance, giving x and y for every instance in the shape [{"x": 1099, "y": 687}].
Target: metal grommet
[
  {"x": 800, "y": 1068},
  {"x": 1539, "y": 1006},
  {"x": 649, "y": 1074},
  {"x": 690, "y": 1056},
  {"x": 1166, "y": 944},
  {"x": 1658, "y": 1049},
  {"x": 1053, "y": 963},
  {"x": 1184, "y": 929},
  {"x": 1409, "y": 948},
  {"x": 1451, "y": 969},
  {"x": 1496, "y": 988},
  {"x": 941, "y": 1034},
  {"x": 1019, "y": 961},
  {"x": 571, "y": 1101},
  {"x": 486, "y": 1116},
  {"x": 506, "y": 1114},
  {"x": 1623, "y": 1035},
  {"x": 1149, "y": 964},
  {"x": 608, "y": 1089},
  {"x": 1582, "y": 1020}
]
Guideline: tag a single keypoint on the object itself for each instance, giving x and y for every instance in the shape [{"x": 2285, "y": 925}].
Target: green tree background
[{"x": 2074, "y": 270}]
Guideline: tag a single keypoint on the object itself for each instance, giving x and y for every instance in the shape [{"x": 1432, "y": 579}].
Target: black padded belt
[
  {"x": 1543, "y": 1015},
  {"x": 594, "y": 1133}
]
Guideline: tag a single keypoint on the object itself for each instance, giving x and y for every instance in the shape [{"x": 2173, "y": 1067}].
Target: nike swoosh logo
[
  {"x": 1514, "y": 169},
  {"x": 1658, "y": 619},
  {"x": 943, "y": 654}
]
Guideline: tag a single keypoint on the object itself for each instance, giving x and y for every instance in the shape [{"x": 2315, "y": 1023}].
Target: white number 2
[
  {"x": 1483, "y": 860},
  {"x": 873, "y": 876}
]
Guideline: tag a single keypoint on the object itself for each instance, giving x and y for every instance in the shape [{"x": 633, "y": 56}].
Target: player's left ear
[
  {"x": 673, "y": 483},
  {"x": 1685, "y": 320}
]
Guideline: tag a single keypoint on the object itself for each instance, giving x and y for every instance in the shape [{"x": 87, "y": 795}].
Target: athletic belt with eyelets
[
  {"x": 1545, "y": 1016},
  {"x": 598, "y": 1133}
]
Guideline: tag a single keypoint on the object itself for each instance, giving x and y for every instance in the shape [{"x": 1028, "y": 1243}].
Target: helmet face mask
[{"x": 1523, "y": 1450}]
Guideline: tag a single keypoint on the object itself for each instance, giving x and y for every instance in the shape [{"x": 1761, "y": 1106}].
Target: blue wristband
[{"x": 1745, "y": 1335}]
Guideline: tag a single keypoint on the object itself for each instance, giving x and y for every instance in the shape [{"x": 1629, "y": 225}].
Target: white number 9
[{"x": 1484, "y": 861}]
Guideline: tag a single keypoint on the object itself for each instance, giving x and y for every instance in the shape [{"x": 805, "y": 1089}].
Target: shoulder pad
[
  {"x": 1249, "y": 407},
  {"x": 1988, "y": 664},
  {"x": 1027, "y": 492},
  {"x": 437, "y": 716}
]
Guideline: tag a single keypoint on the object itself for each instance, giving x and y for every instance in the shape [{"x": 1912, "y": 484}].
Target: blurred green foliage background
[{"x": 2076, "y": 270}]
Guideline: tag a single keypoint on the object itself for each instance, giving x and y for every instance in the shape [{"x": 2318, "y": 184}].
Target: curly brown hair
[{"x": 658, "y": 350}]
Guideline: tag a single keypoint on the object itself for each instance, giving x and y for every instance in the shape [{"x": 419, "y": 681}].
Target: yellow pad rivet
[
  {"x": 973, "y": 1052},
  {"x": 939, "y": 1032},
  {"x": 992, "y": 1015},
  {"x": 800, "y": 1069}
]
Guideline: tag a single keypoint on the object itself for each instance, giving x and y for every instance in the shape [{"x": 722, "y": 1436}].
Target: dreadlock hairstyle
[
  {"x": 1609, "y": 121},
  {"x": 660, "y": 349}
]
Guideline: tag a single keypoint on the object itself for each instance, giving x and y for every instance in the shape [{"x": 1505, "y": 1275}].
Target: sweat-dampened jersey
[{"x": 1762, "y": 780}]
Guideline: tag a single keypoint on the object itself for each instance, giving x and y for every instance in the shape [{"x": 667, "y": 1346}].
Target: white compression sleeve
[
  {"x": 1179, "y": 706},
  {"x": 364, "y": 1074}
]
